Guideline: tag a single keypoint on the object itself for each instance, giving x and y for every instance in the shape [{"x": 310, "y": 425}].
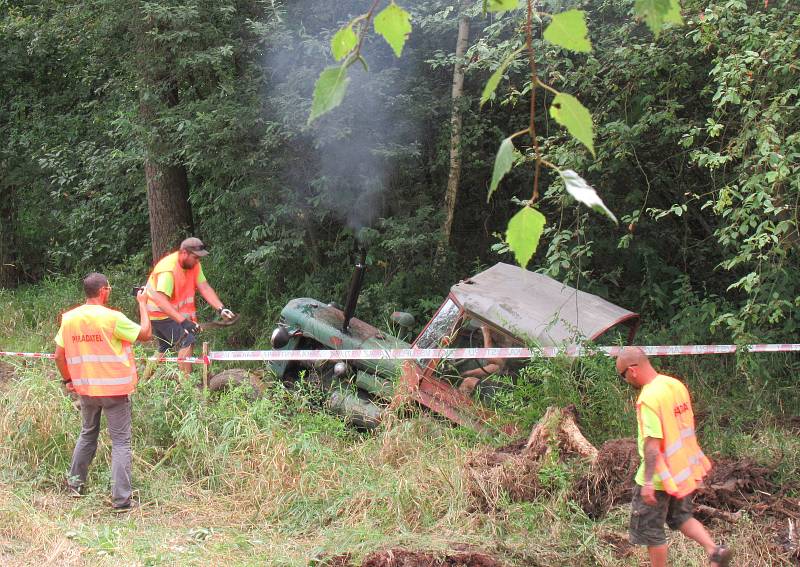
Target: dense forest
[{"x": 128, "y": 125}]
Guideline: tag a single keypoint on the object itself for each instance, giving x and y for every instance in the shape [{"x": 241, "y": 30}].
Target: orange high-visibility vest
[
  {"x": 681, "y": 464},
  {"x": 184, "y": 287},
  {"x": 99, "y": 364}
]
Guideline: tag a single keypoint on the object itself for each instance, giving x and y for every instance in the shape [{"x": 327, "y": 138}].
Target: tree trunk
[
  {"x": 168, "y": 204},
  {"x": 454, "y": 176},
  {"x": 9, "y": 271}
]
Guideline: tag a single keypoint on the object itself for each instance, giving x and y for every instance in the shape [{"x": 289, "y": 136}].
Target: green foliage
[
  {"x": 657, "y": 13},
  {"x": 524, "y": 230},
  {"x": 572, "y": 115},
  {"x": 500, "y": 5},
  {"x": 584, "y": 193},
  {"x": 343, "y": 42},
  {"x": 568, "y": 29},
  {"x": 329, "y": 91},
  {"x": 503, "y": 163},
  {"x": 393, "y": 23},
  {"x": 497, "y": 76}
]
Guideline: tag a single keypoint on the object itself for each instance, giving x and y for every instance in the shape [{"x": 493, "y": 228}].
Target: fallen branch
[{"x": 711, "y": 512}]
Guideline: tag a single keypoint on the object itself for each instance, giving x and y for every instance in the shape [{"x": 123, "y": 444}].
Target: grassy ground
[{"x": 273, "y": 482}]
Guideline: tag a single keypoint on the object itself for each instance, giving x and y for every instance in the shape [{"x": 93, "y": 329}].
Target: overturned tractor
[{"x": 503, "y": 306}]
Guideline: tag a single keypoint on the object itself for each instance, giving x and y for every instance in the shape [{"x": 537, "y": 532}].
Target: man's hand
[
  {"x": 141, "y": 297},
  {"x": 225, "y": 313},
  {"x": 649, "y": 494},
  {"x": 189, "y": 326}
]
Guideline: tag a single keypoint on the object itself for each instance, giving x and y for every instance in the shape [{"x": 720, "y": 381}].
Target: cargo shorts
[{"x": 647, "y": 522}]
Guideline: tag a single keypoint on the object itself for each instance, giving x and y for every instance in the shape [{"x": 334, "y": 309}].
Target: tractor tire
[{"x": 235, "y": 378}]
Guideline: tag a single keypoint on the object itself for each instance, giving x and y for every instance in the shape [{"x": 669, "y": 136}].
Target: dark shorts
[
  {"x": 647, "y": 522},
  {"x": 171, "y": 336}
]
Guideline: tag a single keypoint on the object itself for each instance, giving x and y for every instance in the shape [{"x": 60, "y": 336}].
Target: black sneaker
[{"x": 127, "y": 507}]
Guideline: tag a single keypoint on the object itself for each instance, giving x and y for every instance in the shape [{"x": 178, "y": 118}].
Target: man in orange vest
[
  {"x": 94, "y": 357},
  {"x": 171, "y": 289},
  {"x": 673, "y": 465}
]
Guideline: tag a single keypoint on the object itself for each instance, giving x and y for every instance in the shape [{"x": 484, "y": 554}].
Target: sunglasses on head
[{"x": 622, "y": 374}]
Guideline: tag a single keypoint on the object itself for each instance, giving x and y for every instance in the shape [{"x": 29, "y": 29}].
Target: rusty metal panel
[{"x": 538, "y": 308}]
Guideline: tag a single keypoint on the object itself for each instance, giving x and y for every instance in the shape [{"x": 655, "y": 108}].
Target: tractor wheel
[{"x": 234, "y": 378}]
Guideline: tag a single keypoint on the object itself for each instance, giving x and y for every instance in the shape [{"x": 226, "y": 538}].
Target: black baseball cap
[{"x": 195, "y": 246}]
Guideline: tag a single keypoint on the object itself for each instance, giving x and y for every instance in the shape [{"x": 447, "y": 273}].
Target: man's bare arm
[
  {"x": 61, "y": 363},
  {"x": 145, "y": 330},
  {"x": 209, "y": 295},
  {"x": 652, "y": 446}
]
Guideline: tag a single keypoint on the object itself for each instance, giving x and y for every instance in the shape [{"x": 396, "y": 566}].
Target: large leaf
[
  {"x": 656, "y": 13},
  {"x": 394, "y": 24},
  {"x": 502, "y": 164},
  {"x": 343, "y": 42},
  {"x": 523, "y": 233},
  {"x": 568, "y": 29},
  {"x": 585, "y": 193},
  {"x": 494, "y": 80},
  {"x": 328, "y": 91},
  {"x": 500, "y": 5},
  {"x": 570, "y": 113}
]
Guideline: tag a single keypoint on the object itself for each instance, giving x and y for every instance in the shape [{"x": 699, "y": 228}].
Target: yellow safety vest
[
  {"x": 183, "y": 290},
  {"x": 99, "y": 364},
  {"x": 681, "y": 464}
]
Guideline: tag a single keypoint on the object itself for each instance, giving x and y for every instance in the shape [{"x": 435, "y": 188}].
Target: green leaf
[
  {"x": 500, "y": 5},
  {"x": 343, "y": 42},
  {"x": 328, "y": 91},
  {"x": 394, "y": 24},
  {"x": 523, "y": 233},
  {"x": 494, "y": 80},
  {"x": 568, "y": 29},
  {"x": 656, "y": 13},
  {"x": 570, "y": 113},
  {"x": 585, "y": 193},
  {"x": 502, "y": 165}
]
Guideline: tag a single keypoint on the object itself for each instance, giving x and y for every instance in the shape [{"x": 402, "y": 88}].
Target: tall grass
[{"x": 229, "y": 481}]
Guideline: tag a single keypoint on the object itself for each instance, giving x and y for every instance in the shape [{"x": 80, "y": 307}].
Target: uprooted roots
[
  {"x": 610, "y": 480},
  {"x": 514, "y": 470}
]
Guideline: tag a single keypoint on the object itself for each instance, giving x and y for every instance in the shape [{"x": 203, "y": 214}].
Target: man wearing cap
[
  {"x": 93, "y": 355},
  {"x": 171, "y": 291}
]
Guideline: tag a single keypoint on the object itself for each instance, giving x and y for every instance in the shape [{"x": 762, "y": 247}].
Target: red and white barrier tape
[
  {"x": 449, "y": 353},
  {"x": 189, "y": 359},
  {"x": 462, "y": 353}
]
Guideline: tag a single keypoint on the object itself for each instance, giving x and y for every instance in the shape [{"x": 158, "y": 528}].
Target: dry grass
[{"x": 227, "y": 482}]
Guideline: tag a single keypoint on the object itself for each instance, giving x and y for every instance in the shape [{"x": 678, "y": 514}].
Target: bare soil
[
  {"x": 732, "y": 488},
  {"x": 408, "y": 558},
  {"x": 7, "y": 373}
]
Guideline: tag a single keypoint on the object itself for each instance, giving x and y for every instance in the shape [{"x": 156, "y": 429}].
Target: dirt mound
[
  {"x": 745, "y": 485},
  {"x": 610, "y": 480},
  {"x": 407, "y": 558}
]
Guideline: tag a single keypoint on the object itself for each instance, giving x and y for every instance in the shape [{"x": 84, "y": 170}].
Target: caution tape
[
  {"x": 471, "y": 353},
  {"x": 445, "y": 353},
  {"x": 188, "y": 359}
]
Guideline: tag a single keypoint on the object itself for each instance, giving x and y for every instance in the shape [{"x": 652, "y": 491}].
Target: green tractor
[{"x": 503, "y": 306}]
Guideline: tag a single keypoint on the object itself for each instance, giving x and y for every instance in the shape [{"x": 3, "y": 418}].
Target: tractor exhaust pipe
[{"x": 354, "y": 289}]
